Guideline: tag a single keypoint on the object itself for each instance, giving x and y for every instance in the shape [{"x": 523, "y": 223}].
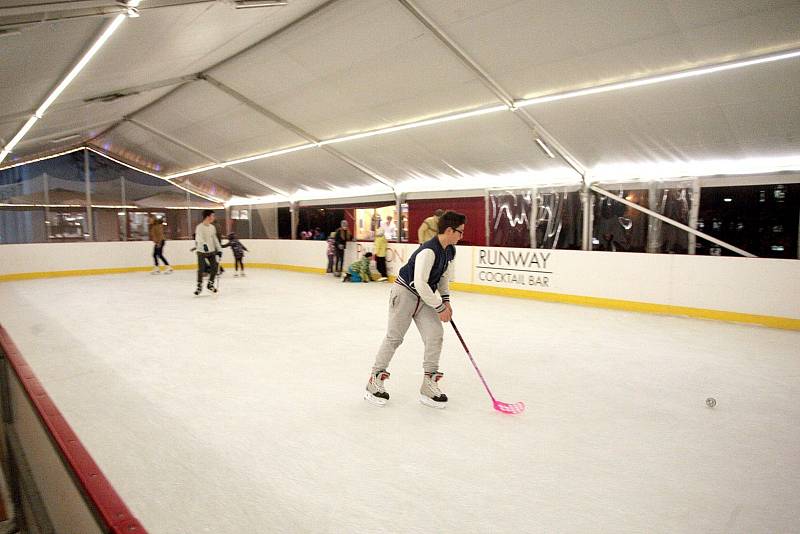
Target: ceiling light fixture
[
  {"x": 545, "y": 148},
  {"x": 110, "y": 29},
  {"x": 381, "y": 131},
  {"x": 652, "y": 80},
  {"x": 248, "y": 4}
]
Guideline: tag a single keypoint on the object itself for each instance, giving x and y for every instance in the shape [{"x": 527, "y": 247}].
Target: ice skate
[
  {"x": 382, "y": 279},
  {"x": 211, "y": 286},
  {"x": 429, "y": 392},
  {"x": 376, "y": 394},
  {"x": 155, "y": 270},
  {"x": 199, "y": 289},
  {"x": 169, "y": 270},
  {"x": 242, "y": 274}
]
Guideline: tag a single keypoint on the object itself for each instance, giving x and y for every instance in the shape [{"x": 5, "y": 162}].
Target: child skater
[
  {"x": 413, "y": 297},
  {"x": 359, "y": 270},
  {"x": 331, "y": 251},
  {"x": 238, "y": 252}
]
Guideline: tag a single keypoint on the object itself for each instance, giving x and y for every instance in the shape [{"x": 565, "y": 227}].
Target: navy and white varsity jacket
[{"x": 429, "y": 268}]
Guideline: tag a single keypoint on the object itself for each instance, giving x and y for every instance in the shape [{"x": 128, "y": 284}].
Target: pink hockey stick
[{"x": 517, "y": 407}]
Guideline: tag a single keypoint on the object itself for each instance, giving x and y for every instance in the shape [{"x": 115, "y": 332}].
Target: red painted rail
[{"x": 111, "y": 509}]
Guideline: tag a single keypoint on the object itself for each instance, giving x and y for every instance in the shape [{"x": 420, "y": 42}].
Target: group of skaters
[
  {"x": 420, "y": 293},
  {"x": 208, "y": 247},
  {"x": 358, "y": 271}
]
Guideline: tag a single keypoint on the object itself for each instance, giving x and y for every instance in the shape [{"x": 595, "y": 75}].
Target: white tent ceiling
[{"x": 195, "y": 83}]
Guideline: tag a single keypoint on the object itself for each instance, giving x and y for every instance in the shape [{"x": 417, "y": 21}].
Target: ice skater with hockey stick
[
  {"x": 413, "y": 297},
  {"x": 208, "y": 248}
]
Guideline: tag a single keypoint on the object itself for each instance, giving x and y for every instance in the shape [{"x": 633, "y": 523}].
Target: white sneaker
[
  {"x": 155, "y": 270},
  {"x": 429, "y": 392},
  {"x": 169, "y": 270}
]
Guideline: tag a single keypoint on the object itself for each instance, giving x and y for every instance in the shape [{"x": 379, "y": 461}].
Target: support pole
[
  {"x": 586, "y": 230},
  {"x": 88, "y": 183},
  {"x": 398, "y": 203},
  {"x": 46, "y": 180},
  {"x": 294, "y": 218},
  {"x": 188, "y": 216},
  {"x": 250, "y": 221},
  {"x": 486, "y": 217},
  {"x": 124, "y": 210},
  {"x": 694, "y": 215},
  {"x": 653, "y": 224},
  {"x": 534, "y": 216}
]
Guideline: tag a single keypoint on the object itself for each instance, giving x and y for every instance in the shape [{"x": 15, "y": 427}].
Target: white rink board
[{"x": 745, "y": 285}]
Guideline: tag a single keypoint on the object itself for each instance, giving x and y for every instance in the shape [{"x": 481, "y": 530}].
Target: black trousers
[
  {"x": 380, "y": 263},
  {"x": 339, "y": 260},
  {"x": 237, "y": 261},
  {"x": 158, "y": 252},
  {"x": 203, "y": 259}
]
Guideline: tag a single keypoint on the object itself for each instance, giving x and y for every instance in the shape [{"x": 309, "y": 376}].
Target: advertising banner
[{"x": 516, "y": 268}]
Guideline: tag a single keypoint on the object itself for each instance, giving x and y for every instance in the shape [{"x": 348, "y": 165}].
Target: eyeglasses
[{"x": 459, "y": 231}]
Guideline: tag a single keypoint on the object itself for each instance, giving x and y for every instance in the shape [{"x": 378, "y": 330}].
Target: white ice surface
[{"x": 243, "y": 412}]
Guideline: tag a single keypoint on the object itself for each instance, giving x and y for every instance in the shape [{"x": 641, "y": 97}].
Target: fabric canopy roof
[{"x": 189, "y": 84}]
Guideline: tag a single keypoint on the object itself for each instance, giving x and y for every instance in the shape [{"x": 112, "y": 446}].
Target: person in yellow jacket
[
  {"x": 380, "y": 254},
  {"x": 429, "y": 227}
]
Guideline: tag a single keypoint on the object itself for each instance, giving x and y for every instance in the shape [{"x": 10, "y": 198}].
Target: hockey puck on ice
[{"x": 711, "y": 402}]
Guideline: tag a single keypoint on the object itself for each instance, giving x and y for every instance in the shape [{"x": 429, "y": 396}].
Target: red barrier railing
[{"x": 95, "y": 486}]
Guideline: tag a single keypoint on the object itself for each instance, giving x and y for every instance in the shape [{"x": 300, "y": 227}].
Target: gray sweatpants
[{"x": 403, "y": 307}]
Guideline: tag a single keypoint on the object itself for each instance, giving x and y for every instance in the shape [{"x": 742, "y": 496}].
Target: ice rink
[{"x": 242, "y": 412}]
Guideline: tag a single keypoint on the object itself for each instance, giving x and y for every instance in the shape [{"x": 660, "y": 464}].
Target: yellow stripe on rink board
[
  {"x": 597, "y": 302},
  {"x": 283, "y": 267},
  {"x": 627, "y": 305}
]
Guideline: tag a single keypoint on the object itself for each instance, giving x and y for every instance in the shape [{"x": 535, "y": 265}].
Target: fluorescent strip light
[
  {"x": 82, "y": 63},
  {"x": 270, "y": 154},
  {"x": 545, "y": 148},
  {"x": 658, "y": 79},
  {"x": 407, "y": 126},
  {"x": 241, "y": 160},
  {"x": 20, "y": 134},
  {"x": 26, "y": 162},
  {"x": 193, "y": 171},
  {"x": 416, "y": 124}
]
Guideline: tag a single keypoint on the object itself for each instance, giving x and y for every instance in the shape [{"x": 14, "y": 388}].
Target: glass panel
[
  {"x": 673, "y": 201},
  {"x": 240, "y": 221},
  {"x": 509, "y": 212},
  {"x": 761, "y": 219},
  {"x": 22, "y": 225},
  {"x": 559, "y": 219},
  {"x": 265, "y": 222},
  {"x": 617, "y": 227}
]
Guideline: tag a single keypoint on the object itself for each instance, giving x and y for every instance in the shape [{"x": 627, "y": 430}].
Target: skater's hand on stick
[{"x": 447, "y": 313}]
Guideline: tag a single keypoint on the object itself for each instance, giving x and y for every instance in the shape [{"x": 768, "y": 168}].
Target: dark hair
[
  {"x": 231, "y": 236},
  {"x": 206, "y": 213},
  {"x": 451, "y": 219},
  {"x": 368, "y": 255}
]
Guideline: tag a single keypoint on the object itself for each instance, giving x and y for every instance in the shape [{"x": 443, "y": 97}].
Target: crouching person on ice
[
  {"x": 358, "y": 271},
  {"x": 413, "y": 297}
]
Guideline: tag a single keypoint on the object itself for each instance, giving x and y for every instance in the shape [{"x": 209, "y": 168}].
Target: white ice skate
[
  {"x": 376, "y": 394},
  {"x": 155, "y": 270},
  {"x": 429, "y": 392},
  {"x": 169, "y": 270}
]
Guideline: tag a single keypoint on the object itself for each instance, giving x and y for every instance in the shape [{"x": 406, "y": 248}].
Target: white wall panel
[{"x": 744, "y": 285}]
